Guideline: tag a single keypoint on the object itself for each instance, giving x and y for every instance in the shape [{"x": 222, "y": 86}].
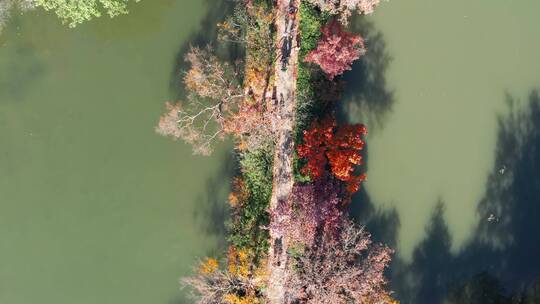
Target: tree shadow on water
[
  {"x": 206, "y": 34},
  {"x": 212, "y": 214},
  {"x": 486, "y": 289},
  {"x": 425, "y": 279},
  {"x": 383, "y": 224},
  {"x": 508, "y": 236},
  {"x": 499, "y": 264},
  {"x": 212, "y": 210},
  {"x": 367, "y": 97}
]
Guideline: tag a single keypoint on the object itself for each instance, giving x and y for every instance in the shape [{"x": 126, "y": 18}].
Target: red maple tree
[
  {"x": 326, "y": 144},
  {"x": 336, "y": 50}
]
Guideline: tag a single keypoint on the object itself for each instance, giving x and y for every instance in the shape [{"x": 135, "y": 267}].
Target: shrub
[{"x": 250, "y": 219}]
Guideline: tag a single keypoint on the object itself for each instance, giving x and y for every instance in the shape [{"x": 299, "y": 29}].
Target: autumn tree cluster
[
  {"x": 329, "y": 259},
  {"x": 239, "y": 283},
  {"x": 332, "y": 260},
  {"x": 227, "y": 98}
]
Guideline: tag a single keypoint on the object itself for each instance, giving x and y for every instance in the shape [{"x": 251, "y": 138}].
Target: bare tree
[
  {"x": 214, "y": 287},
  {"x": 347, "y": 268},
  {"x": 215, "y": 94},
  {"x": 239, "y": 283},
  {"x": 216, "y": 105}
]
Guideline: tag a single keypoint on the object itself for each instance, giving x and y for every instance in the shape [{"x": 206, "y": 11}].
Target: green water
[
  {"x": 434, "y": 138},
  {"x": 94, "y": 207},
  {"x": 452, "y": 63}
]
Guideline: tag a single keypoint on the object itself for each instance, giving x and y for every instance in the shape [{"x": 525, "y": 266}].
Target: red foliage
[
  {"x": 326, "y": 144},
  {"x": 336, "y": 50}
]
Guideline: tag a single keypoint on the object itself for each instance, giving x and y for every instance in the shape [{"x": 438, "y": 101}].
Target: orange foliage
[
  {"x": 387, "y": 299},
  {"x": 209, "y": 266},
  {"x": 233, "y": 199},
  {"x": 239, "y": 262},
  {"x": 239, "y": 193},
  {"x": 260, "y": 274},
  {"x": 326, "y": 144},
  {"x": 235, "y": 299}
]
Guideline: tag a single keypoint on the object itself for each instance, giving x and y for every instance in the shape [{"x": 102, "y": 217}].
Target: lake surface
[
  {"x": 452, "y": 171},
  {"x": 94, "y": 206}
]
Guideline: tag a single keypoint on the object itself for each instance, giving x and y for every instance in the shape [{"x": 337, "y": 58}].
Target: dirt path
[{"x": 286, "y": 69}]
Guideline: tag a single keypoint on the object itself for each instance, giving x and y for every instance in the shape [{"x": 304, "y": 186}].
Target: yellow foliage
[
  {"x": 234, "y": 299},
  {"x": 226, "y": 26},
  {"x": 260, "y": 274},
  {"x": 389, "y": 300},
  {"x": 233, "y": 199},
  {"x": 209, "y": 266},
  {"x": 242, "y": 145},
  {"x": 239, "y": 262}
]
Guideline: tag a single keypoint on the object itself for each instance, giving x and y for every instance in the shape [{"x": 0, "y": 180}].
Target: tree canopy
[{"x": 74, "y": 12}]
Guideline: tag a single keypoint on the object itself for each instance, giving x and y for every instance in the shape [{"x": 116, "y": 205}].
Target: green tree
[{"x": 74, "y": 12}]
